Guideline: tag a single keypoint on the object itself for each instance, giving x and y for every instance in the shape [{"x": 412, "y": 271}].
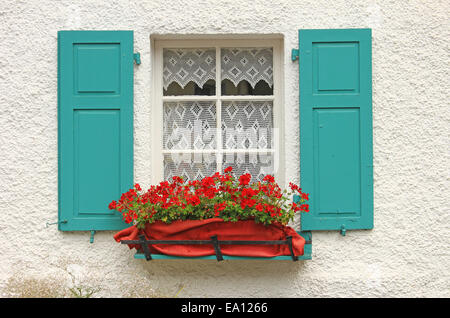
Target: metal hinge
[
  {"x": 92, "y": 237},
  {"x": 295, "y": 54},
  {"x": 343, "y": 230},
  {"x": 137, "y": 58},
  {"x": 59, "y": 222}
]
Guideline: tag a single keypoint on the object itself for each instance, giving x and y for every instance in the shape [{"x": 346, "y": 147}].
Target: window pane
[
  {"x": 189, "y": 71},
  {"x": 189, "y": 166},
  {"x": 247, "y": 71},
  {"x": 247, "y": 125},
  {"x": 258, "y": 165},
  {"x": 189, "y": 125},
  {"x": 174, "y": 89}
]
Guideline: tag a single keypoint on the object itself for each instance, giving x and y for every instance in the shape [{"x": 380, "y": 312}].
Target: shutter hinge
[
  {"x": 60, "y": 222},
  {"x": 137, "y": 58},
  {"x": 343, "y": 230},
  {"x": 295, "y": 54},
  {"x": 92, "y": 237}
]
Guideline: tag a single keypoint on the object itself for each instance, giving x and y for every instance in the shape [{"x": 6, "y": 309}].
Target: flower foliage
[{"x": 218, "y": 196}]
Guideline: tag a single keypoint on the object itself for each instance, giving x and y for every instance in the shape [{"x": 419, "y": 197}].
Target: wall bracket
[
  {"x": 343, "y": 230},
  {"x": 295, "y": 54},
  {"x": 60, "y": 222},
  {"x": 92, "y": 237},
  {"x": 137, "y": 58}
]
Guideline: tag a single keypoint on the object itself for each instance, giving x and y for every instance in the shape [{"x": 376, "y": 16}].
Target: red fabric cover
[{"x": 204, "y": 229}]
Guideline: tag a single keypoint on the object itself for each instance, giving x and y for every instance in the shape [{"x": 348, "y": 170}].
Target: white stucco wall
[{"x": 407, "y": 253}]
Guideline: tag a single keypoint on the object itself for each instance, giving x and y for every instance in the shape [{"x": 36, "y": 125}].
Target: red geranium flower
[
  {"x": 269, "y": 179},
  {"x": 245, "y": 179},
  {"x": 265, "y": 202},
  {"x": 113, "y": 205},
  {"x": 229, "y": 169}
]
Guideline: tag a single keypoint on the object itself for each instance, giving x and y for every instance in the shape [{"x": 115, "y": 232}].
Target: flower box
[
  {"x": 203, "y": 230},
  {"x": 216, "y": 215}
]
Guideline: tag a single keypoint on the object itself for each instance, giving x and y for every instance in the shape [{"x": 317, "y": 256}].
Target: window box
[
  {"x": 198, "y": 218},
  {"x": 192, "y": 239}
]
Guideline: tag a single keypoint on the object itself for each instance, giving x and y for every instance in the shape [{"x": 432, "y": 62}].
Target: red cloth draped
[{"x": 204, "y": 229}]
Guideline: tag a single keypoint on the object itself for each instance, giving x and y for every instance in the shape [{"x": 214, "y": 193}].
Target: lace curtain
[
  {"x": 189, "y": 166},
  {"x": 258, "y": 165},
  {"x": 185, "y": 65},
  {"x": 199, "y": 65},
  {"x": 192, "y": 125},
  {"x": 189, "y": 125},
  {"x": 197, "y": 166},
  {"x": 247, "y": 124},
  {"x": 249, "y": 64}
]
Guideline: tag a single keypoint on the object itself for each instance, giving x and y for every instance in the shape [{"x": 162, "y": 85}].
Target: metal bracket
[
  {"x": 60, "y": 222},
  {"x": 145, "y": 247},
  {"x": 343, "y": 230},
  {"x": 137, "y": 58},
  {"x": 291, "y": 248},
  {"x": 215, "y": 243},
  {"x": 92, "y": 237},
  {"x": 295, "y": 54}
]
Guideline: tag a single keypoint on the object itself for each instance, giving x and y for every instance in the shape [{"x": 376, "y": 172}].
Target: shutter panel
[
  {"x": 336, "y": 128},
  {"x": 95, "y": 127}
]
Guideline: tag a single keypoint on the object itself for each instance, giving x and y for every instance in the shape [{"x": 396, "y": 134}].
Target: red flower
[
  {"x": 219, "y": 207},
  {"x": 247, "y": 202},
  {"x": 210, "y": 193},
  {"x": 248, "y": 193},
  {"x": 208, "y": 182},
  {"x": 194, "y": 200},
  {"x": 304, "y": 207},
  {"x": 245, "y": 179},
  {"x": 209, "y": 197},
  {"x": 269, "y": 179},
  {"x": 113, "y": 205},
  {"x": 177, "y": 179},
  {"x": 295, "y": 187}
]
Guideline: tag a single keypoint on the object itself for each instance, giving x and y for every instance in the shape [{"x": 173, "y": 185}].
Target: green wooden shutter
[
  {"x": 95, "y": 127},
  {"x": 336, "y": 128}
]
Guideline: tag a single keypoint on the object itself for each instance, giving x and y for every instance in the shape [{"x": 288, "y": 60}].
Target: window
[
  {"x": 217, "y": 103},
  {"x": 95, "y": 119}
]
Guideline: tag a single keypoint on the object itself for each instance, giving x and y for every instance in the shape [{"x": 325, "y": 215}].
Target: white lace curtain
[
  {"x": 189, "y": 125},
  {"x": 249, "y": 64},
  {"x": 192, "y": 125},
  {"x": 185, "y": 65},
  {"x": 182, "y": 66}
]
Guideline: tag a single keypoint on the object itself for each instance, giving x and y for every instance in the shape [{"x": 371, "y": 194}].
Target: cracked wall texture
[{"x": 407, "y": 253}]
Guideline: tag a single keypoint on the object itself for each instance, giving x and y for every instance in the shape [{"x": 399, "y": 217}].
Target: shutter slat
[
  {"x": 95, "y": 118},
  {"x": 336, "y": 128}
]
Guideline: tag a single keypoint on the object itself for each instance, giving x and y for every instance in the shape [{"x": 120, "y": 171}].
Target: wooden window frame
[{"x": 157, "y": 151}]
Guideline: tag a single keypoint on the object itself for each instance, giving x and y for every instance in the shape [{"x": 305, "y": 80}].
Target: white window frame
[{"x": 157, "y": 151}]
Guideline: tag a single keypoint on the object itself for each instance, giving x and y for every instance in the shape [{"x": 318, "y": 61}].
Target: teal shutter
[
  {"x": 95, "y": 127},
  {"x": 336, "y": 128}
]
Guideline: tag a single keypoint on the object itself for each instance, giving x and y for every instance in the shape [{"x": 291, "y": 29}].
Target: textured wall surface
[{"x": 407, "y": 253}]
